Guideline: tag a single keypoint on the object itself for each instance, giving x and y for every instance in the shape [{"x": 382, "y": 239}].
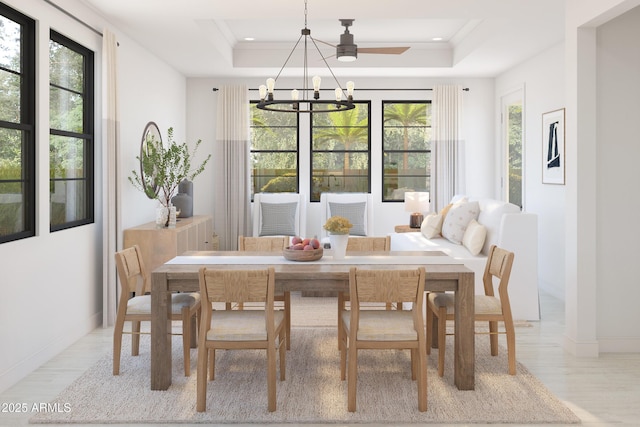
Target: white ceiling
[{"x": 206, "y": 38}]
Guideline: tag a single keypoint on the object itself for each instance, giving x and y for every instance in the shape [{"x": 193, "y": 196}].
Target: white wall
[
  {"x": 478, "y": 133},
  {"x": 543, "y": 79},
  {"x": 51, "y": 284},
  {"x": 618, "y": 175}
]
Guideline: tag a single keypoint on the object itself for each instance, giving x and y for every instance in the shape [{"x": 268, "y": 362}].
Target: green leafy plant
[
  {"x": 338, "y": 225},
  {"x": 164, "y": 166}
]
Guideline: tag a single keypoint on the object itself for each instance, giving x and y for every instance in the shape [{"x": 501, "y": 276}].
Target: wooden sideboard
[{"x": 159, "y": 245}]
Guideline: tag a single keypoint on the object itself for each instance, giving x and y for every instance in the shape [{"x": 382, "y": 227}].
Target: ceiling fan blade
[{"x": 384, "y": 50}]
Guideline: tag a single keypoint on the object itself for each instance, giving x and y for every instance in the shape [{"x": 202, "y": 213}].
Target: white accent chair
[
  {"x": 260, "y": 220},
  {"x": 346, "y": 198}
]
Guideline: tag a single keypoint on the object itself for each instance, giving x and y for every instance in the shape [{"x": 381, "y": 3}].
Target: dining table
[{"x": 443, "y": 273}]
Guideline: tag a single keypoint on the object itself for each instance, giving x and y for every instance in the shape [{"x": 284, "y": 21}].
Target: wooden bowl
[{"x": 298, "y": 255}]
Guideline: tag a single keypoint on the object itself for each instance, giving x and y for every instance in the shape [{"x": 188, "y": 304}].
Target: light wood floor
[{"x": 602, "y": 391}]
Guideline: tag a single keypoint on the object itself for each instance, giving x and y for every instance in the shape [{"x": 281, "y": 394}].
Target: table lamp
[{"x": 416, "y": 203}]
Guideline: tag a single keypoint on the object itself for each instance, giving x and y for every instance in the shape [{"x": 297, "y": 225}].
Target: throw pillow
[
  {"x": 278, "y": 219},
  {"x": 474, "y": 236},
  {"x": 456, "y": 221},
  {"x": 354, "y": 212},
  {"x": 431, "y": 226}
]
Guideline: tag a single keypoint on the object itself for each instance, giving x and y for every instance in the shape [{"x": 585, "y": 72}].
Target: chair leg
[
  {"x": 117, "y": 344},
  {"x": 271, "y": 376},
  {"x": 287, "y": 315},
  {"x": 283, "y": 351},
  {"x": 201, "y": 374},
  {"x": 352, "y": 372},
  {"x": 135, "y": 337},
  {"x": 341, "y": 304},
  {"x": 186, "y": 340},
  {"x": 429, "y": 340},
  {"x": 414, "y": 362},
  {"x": 212, "y": 364},
  {"x": 511, "y": 345},
  {"x": 493, "y": 337},
  {"x": 422, "y": 378},
  {"x": 442, "y": 338}
]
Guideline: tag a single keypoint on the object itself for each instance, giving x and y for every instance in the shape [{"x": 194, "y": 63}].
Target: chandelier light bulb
[
  {"x": 338, "y": 94},
  {"x": 294, "y": 94},
  {"x": 350, "y": 86},
  {"x": 316, "y": 83},
  {"x": 262, "y": 90},
  {"x": 271, "y": 83}
]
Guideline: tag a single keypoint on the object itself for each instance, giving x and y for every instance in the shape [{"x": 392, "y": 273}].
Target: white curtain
[
  {"x": 447, "y": 148},
  {"x": 232, "y": 209},
  {"x": 110, "y": 173}
]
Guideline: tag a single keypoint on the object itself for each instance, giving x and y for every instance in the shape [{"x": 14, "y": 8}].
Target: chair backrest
[
  {"x": 387, "y": 286},
  {"x": 219, "y": 285},
  {"x": 131, "y": 271},
  {"x": 498, "y": 265},
  {"x": 377, "y": 244},
  {"x": 357, "y": 207},
  {"x": 262, "y": 244},
  {"x": 279, "y": 214}
]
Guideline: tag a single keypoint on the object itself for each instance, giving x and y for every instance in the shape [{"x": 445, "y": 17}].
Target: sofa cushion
[
  {"x": 491, "y": 212},
  {"x": 278, "y": 219},
  {"x": 456, "y": 221},
  {"x": 432, "y": 226},
  {"x": 474, "y": 237},
  {"x": 354, "y": 212}
]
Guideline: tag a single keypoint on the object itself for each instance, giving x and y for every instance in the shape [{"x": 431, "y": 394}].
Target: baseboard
[
  {"x": 581, "y": 349},
  {"x": 619, "y": 345},
  {"x": 18, "y": 372}
]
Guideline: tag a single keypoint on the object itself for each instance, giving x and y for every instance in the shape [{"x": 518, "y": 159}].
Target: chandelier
[{"x": 342, "y": 102}]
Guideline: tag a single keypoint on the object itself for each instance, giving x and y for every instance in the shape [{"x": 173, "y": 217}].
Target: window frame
[
  {"x": 27, "y": 124},
  {"x": 252, "y": 104},
  {"x": 383, "y": 150},
  {"x": 88, "y": 131},
  {"x": 312, "y": 151}
]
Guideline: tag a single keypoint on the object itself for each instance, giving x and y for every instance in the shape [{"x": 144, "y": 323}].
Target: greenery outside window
[
  {"x": 406, "y": 148},
  {"x": 274, "y": 151},
  {"x": 71, "y": 139},
  {"x": 17, "y": 125},
  {"x": 340, "y": 151}
]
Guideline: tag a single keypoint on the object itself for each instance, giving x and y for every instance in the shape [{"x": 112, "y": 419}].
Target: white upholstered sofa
[{"x": 506, "y": 226}]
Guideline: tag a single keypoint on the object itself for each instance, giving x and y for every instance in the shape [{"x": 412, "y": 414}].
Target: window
[
  {"x": 340, "y": 151},
  {"x": 406, "y": 148},
  {"x": 17, "y": 125},
  {"x": 512, "y": 136},
  {"x": 274, "y": 151},
  {"x": 71, "y": 142}
]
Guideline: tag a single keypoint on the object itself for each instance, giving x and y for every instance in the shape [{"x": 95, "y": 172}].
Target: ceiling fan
[{"x": 347, "y": 50}]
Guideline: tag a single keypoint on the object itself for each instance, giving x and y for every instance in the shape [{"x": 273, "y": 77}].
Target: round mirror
[{"x": 151, "y": 142}]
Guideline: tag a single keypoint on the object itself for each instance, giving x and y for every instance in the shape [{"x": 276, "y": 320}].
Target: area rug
[{"x": 312, "y": 392}]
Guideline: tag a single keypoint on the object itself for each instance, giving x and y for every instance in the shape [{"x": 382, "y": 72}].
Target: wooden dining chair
[
  {"x": 384, "y": 329},
  {"x": 271, "y": 244},
  {"x": 239, "y": 329},
  {"x": 359, "y": 244},
  {"x": 184, "y": 307},
  {"x": 488, "y": 308}
]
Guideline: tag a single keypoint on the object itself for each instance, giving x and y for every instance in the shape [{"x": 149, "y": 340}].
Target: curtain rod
[
  {"x": 466, "y": 89},
  {"x": 75, "y": 18}
]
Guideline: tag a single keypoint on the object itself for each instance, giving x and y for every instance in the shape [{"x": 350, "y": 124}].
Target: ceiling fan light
[{"x": 347, "y": 53}]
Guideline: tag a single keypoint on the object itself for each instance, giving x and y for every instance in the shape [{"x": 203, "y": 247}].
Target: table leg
[
  {"x": 160, "y": 332},
  {"x": 464, "y": 332}
]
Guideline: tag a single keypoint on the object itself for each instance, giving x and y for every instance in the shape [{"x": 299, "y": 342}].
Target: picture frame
[{"x": 553, "y": 147}]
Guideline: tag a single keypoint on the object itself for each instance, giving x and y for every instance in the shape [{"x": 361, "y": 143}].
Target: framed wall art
[{"x": 553, "y": 153}]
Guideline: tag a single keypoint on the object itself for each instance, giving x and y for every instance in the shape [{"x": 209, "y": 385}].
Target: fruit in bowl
[{"x": 303, "y": 249}]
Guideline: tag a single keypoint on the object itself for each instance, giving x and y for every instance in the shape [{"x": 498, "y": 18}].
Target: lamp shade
[{"x": 416, "y": 203}]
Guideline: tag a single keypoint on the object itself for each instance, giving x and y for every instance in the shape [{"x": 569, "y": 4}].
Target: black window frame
[
  {"x": 88, "y": 134},
  {"x": 252, "y": 104},
  {"x": 27, "y": 123},
  {"x": 385, "y": 199},
  {"x": 312, "y": 199}
]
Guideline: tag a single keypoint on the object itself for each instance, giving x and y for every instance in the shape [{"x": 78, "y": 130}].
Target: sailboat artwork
[{"x": 553, "y": 147}]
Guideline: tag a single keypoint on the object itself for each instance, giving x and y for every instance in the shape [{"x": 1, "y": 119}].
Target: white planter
[{"x": 338, "y": 245}]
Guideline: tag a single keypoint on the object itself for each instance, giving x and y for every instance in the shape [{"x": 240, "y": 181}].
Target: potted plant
[
  {"x": 338, "y": 228},
  {"x": 163, "y": 167}
]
